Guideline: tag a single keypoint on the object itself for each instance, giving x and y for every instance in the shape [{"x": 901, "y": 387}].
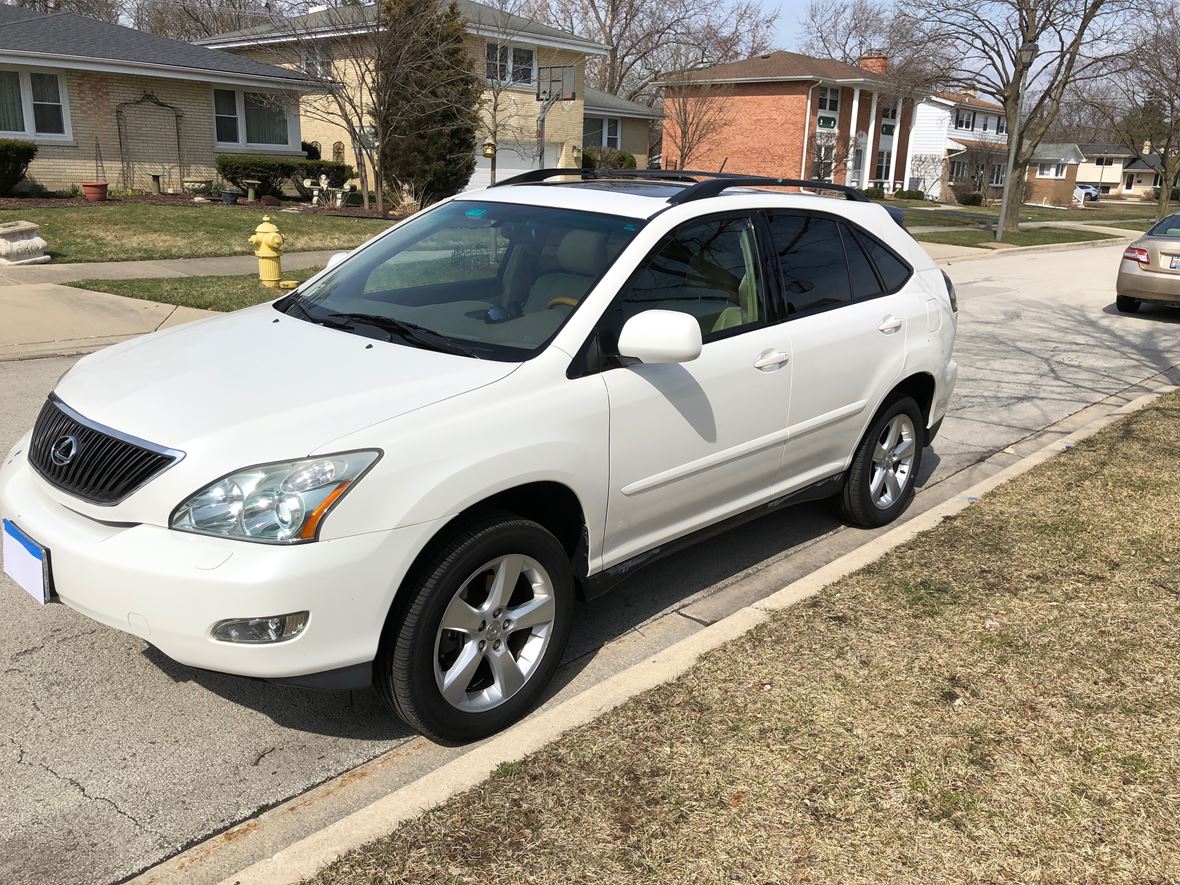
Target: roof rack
[{"x": 715, "y": 183}]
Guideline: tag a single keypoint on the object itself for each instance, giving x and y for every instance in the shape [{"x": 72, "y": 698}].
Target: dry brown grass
[{"x": 997, "y": 701}]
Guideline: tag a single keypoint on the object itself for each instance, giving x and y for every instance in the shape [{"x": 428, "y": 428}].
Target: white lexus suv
[{"x": 403, "y": 473}]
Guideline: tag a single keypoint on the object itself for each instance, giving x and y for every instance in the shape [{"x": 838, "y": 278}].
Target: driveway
[{"x": 115, "y": 758}]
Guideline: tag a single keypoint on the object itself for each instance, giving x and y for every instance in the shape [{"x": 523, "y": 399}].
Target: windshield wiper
[{"x": 410, "y": 332}]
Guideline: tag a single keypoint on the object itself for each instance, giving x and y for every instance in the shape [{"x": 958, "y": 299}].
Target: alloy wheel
[
  {"x": 893, "y": 462},
  {"x": 494, "y": 633}
]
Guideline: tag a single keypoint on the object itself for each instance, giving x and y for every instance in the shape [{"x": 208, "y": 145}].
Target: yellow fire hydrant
[{"x": 268, "y": 247}]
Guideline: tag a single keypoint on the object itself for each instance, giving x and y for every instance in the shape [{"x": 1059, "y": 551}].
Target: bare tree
[
  {"x": 928, "y": 170},
  {"x": 1140, "y": 103},
  {"x": 846, "y": 30},
  {"x": 693, "y": 115},
  {"x": 195, "y": 19},
  {"x": 649, "y": 40},
  {"x": 105, "y": 10},
  {"x": 1074, "y": 39}
]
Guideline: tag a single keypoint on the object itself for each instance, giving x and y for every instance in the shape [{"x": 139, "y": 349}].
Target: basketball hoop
[{"x": 554, "y": 83}]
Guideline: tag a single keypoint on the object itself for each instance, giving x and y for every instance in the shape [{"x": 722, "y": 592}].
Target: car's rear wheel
[
  {"x": 1127, "y": 304},
  {"x": 880, "y": 482},
  {"x": 480, "y": 630}
]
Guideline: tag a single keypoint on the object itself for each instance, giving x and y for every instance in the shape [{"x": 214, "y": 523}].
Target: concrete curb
[
  {"x": 990, "y": 252},
  {"x": 308, "y": 855}
]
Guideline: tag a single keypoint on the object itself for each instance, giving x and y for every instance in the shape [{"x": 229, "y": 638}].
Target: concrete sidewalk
[
  {"x": 46, "y": 319},
  {"x": 140, "y": 270}
]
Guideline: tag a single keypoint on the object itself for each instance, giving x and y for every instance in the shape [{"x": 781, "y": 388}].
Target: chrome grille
[{"x": 90, "y": 461}]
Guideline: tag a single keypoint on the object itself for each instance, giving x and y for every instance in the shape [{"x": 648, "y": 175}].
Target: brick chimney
[{"x": 876, "y": 62}]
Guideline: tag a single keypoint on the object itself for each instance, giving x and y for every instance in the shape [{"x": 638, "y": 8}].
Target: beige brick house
[
  {"x": 510, "y": 52},
  {"x": 100, "y": 100},
  {"x": 614, "y": 122}
]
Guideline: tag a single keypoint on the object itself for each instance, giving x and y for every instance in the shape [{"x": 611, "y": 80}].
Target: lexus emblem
[{"x": 63, "y": 450}]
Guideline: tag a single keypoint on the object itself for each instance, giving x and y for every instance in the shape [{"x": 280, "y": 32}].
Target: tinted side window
[
  {"x": 811, "y": 258},
  {"x": 708, "y": 269},
  {"x": 894, "y": 272},
  {"x": 860, "y": 270}
]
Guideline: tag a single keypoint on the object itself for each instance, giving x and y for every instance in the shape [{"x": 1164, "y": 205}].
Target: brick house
[
  {"x": 1053, "y": 174},
  {"x": 793, "y": 115},
  {"x": 510, "y": 52},
  {"x": 155, "y": 110}
]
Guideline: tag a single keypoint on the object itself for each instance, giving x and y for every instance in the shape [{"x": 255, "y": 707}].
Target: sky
[{"x": 789, "y": 13}]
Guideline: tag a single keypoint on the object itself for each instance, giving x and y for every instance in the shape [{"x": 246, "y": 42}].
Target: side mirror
[
  {"x": 661, "y": 336},
  {"x": 336, "y": 259}
]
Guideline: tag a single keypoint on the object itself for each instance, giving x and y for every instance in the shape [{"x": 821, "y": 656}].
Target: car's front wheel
[
  {"x": 480, "y": 630},
  {"x": 880, "y": 482},
  {"x": 1126, "y": 304}
]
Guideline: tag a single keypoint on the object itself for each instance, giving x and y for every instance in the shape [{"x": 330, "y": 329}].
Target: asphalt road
[{"x": 113, "y": 758}]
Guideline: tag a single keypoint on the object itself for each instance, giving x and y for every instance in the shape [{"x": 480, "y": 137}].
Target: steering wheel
[{"x": 560, "y": 301}]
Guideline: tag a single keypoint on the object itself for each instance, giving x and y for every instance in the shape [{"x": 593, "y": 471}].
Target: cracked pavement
[{"x": 112, "y": 757}]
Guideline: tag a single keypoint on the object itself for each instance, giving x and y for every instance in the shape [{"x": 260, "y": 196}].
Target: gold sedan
[{"x": 1150, "y": 269}]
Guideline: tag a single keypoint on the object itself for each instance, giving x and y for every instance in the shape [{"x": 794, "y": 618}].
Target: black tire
[
  {"x": 404, "y": 672},
  {"x": 856, "y": 501},
  {"x": 1127, "y": 304}
]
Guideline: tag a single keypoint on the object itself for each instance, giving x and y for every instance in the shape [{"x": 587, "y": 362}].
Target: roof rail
[{"x": 715, "y": 183}]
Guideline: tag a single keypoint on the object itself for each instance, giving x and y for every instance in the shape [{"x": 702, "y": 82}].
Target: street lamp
[{"x": 1028, "y": 52}]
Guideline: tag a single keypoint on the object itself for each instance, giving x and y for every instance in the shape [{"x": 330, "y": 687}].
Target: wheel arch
[{"x": 921, "y": 387}]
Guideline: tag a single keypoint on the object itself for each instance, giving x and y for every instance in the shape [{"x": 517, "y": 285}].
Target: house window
[
  {"x": 997, "y": 176},
  {"x": 1158, "y": 181},
  {"x": 251, "y": 119},
  {"x": 317, "y": 60},
  {"x": 1104, "y": 161},
  {"x": 825, "y": 158},
  {"x": 1001, "y": 124},
  {"x": 882, "y": 170},
  {"x": 33, "y": 103},
  {"x": 964, "y": 118},
  {"x": 509, "y": 64},
  {"x": 985, "y": 118},
  {"x": 1050, "y": 170},
  {"x": 958, "y": 170},
  {"x": 601, "y": 132},
  {"x": 889, "y": 112},
  {"x": 829, "y": 98}
]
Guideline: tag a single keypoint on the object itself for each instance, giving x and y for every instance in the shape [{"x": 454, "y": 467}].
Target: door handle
[
  {"x": 889, "y": 325},
  {"x": 772, "y": 359}
]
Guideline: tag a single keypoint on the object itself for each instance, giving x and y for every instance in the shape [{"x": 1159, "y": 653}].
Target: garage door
[{"x": 512, "y": 158}]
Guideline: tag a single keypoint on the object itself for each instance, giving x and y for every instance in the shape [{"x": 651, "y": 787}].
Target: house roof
[
  {"x": 1058, "y": 152},
  {"x": 969, "y": 101},
  {"x": 481, "y": 19},
  {"x": 65, "y": 39},
  {"x": 997, "y": 146},
  {"x": 1105, "y": 150},
  {"x": 782, "y": 65},
  {"x": 1150, "y": 163},
  {"x": 603, "y": 102}
]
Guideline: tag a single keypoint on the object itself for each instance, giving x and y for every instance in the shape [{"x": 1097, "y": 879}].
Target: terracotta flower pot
[{"x": 94, "y": 191}]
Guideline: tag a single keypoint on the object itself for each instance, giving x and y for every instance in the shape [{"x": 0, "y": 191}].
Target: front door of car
[
  {"x": 692, "y": 443},
  {"x": 848, "y": 320}
]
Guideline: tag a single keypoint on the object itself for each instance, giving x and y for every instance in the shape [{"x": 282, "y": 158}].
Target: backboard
[{"x": 555, "y": 83}]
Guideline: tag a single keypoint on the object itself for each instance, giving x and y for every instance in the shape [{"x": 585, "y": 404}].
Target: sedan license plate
[
  {"x": 1175, "y": 265},
  {"x": 27, "y": 563}
]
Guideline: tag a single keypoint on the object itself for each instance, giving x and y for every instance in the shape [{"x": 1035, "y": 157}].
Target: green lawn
[
  {"x": 995, "y": 701},
  {"x": 1033, "y": 236},
  {"x": 919, "y": 213},
  {"x": 1140, "y": 226},
  {"x": 207, "y": 293},
  {"x": 144, "y": 231}
]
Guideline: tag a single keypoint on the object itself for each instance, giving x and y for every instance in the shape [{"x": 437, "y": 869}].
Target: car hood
[{"x": 257, "y": 385}]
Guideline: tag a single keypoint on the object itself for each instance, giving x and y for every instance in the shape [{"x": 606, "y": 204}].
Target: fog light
[{"x": 277, "y": 628}]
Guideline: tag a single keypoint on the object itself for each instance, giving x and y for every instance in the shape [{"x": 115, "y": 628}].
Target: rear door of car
[{"x": 848, "y": 317}]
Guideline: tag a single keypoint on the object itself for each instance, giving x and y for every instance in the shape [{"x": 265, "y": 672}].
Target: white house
[{"x": 956, "y": 137}]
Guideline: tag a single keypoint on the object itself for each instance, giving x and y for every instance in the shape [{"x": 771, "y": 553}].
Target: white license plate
[
  {"x": 27, "y": 563},
  {"x": 1175, "y": 265}
]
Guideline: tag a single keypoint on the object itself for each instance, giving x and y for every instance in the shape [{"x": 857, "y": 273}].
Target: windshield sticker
[{"x": 476, "y": 213}]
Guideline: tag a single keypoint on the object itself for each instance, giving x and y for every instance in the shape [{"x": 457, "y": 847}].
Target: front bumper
[
  {"x": 170, "y": 588},
  {"x": 1147, "y": 285}
]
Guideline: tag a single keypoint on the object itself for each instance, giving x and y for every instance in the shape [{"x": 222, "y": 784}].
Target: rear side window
[
  {"x": 860, "y": 270},
  {"x": 894, "y": 272},
  {"x": 810, "y": 256}
]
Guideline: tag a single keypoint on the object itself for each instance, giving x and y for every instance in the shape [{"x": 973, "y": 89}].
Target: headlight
[{"x": 281, "y": 503}]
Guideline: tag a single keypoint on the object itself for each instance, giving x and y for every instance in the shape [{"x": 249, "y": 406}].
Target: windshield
[
  {"x": 1169, "y": 227},
  {"x": 484, "y": 279}
]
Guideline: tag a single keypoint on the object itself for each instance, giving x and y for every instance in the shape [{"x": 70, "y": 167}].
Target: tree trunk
[
  {"x": 1011, "y": 219},
  {"x": 362, "y": 168}
]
